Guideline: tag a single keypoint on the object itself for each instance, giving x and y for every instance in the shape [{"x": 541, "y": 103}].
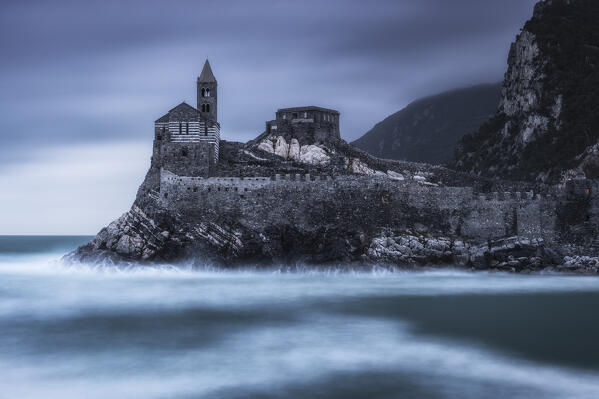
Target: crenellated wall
[{"x": 309, "y": 202}]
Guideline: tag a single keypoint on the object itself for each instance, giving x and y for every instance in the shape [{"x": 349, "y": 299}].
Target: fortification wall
[
  {"x": 195, "y": 158},
  {"x": 361, "y": 203}
]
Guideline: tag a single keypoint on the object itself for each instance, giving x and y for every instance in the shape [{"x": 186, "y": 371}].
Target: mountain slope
[
  {"x": 547, "y": 124},
  {"x": 428, "y": 129}
]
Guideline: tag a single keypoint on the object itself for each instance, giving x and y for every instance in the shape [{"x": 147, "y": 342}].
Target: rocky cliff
[
  {"x": 547, "y": 125},
  {"x": 267, "y": 204},
  {"x": 429, "y": 129}
]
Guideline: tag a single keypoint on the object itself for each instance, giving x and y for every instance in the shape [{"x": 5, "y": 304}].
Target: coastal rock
[
  {"x": 281, "y": 148},
  {"x": 309, "y": 154},
  {"x": 355, "y": 165},
  {"x": 294, "y": 150},
  {"x": 580, "y": 264},
  {"x": 412, "y": 248},
  {"x": 314, "y": 155}
]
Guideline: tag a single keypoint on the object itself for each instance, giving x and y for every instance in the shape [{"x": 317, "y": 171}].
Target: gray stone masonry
[{"x": 309, "y": 202}]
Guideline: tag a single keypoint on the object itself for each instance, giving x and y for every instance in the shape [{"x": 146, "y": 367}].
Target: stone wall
[
  {"x": 193, "y": 158},
  {"x": 305, "y": 131},
  {"x": 364, "y": 202}
]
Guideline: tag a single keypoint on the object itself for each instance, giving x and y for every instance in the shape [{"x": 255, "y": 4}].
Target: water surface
[{"x": 82, "y": 331}]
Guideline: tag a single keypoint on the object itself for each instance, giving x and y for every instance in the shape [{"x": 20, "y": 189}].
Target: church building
[{"x": 186, "y": 138}]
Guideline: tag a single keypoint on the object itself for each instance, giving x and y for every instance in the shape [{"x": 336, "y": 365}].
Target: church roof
[
  {"x": 183, "y": 107},
  {"x": 207, "y": 75}
]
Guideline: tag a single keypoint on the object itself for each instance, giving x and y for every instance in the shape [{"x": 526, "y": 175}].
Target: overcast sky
[{"x": 81, "y": 82}]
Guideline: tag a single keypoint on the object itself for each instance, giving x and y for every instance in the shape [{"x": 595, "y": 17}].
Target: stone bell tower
[{"x": 208, "y": 94}]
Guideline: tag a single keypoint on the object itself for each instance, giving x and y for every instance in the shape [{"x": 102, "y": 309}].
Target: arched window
[
  {"x": 186, "y": 127},
  {"x": 203, "y": 92},
  {"x": 203, "y": 107},
  {"x": 207, "y": 107},
  {"x": 207, "y": 93},
  {"x": 180, "y": 127},
  {"x": 184, "y": 151}
]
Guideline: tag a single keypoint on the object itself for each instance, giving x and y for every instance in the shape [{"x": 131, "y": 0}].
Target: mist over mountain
[
  {"x": 547, "y": 124},
  {"x": 429, "y": 129}
]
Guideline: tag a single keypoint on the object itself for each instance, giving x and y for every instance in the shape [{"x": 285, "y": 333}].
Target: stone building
[
  {"x": 316, "y": 124},
  {"x": 187, "y": 139}
]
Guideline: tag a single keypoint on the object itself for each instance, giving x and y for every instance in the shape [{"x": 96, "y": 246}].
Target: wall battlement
[
  {"x": 344, "y": 182},
  {"x": 458, "y": 211}
]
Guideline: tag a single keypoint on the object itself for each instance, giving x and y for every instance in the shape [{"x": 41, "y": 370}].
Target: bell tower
[{"x": 208, "y": 94}]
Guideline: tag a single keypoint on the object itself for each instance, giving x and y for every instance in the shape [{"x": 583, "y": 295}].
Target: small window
[
  {"x": 184, "y": 152},
  {"x": 203, "y": 108},
  {"x": 588, "y": 191},
  {"x": 180, "y": 127},
  {"x": 207, "y": 93},
  {"x": 294, "y": 115},
  {"x": 284, "y": 116},
  {"x": 186, "y": 127},
  {"x": 305, "y": 115},
  {"x": 203, "y": 92},
  {"x": 207, "y": 107}
]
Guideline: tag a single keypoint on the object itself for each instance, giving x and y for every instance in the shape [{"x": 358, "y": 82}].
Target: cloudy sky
[{"x": 81, "y": 82}]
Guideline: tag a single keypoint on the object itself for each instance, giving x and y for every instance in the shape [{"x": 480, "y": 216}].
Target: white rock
[
  {"x": 294, "y": 150},
  {"x": 395, "y": 176},
  {"x": 266, "y": 146},
  {"x": 314, "y": 155},
  {"x": 310, "y": 154},
  {"x": 357, "y": 166},
  {"x": 281, "y": 147}
]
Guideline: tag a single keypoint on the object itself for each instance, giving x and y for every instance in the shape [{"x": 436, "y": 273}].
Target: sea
[{"x": 170, "y": 331}]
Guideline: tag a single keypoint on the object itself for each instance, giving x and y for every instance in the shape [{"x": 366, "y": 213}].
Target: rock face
[
  {"x": 511, "y": 254},
  {"x": 429, "y": 129},
  {"x": 308, "y": 154},
  {"x": 546, "y": 126}
]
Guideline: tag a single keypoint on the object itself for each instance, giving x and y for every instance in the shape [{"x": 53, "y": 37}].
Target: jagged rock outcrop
[
  {"x": 413, "y": 248},
  {"x": 547, "y": 123},
  {"x": 309, "y": 154}
]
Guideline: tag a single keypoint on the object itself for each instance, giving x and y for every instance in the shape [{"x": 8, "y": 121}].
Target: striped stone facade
[{"x": 187, "y": 139}]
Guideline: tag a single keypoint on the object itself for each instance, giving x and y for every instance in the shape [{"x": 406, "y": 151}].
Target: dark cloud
[{"x": 82, "y": 71}]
